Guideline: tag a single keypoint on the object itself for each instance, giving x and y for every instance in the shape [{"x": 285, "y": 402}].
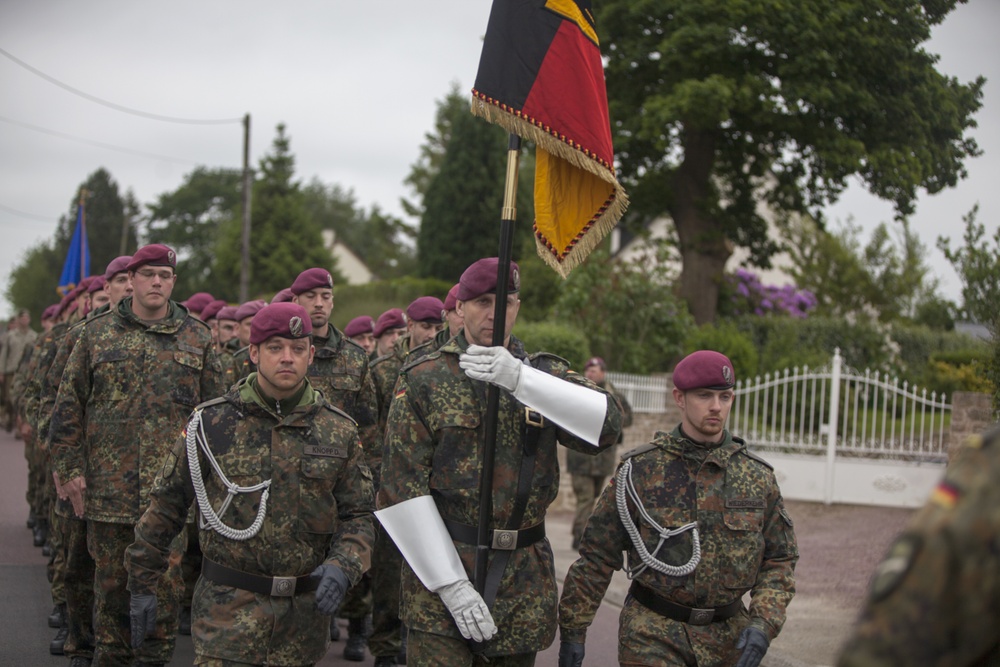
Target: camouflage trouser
[
  {"x": 79, "y": 591},
  {"x": 646, "y": 638},
  {"x": 190, "y": 563},
  {"x": 358, "y": 601},
  {"x": 586, "y": 488},
  {"x": 204, "y": 661},
  {"x": 57, "y": 563},
  {"x": 44, "y": 488},
  {"x": 427, "y": 650},
  {"x": 387, "y": 565},
  {"x": 36, "y": 473},
  {"x": 112, "y": 627}
]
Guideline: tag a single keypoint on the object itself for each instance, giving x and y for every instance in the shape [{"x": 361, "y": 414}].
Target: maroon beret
[
  {"x": 211, "y": 311},
  {"x": 312, "y": 279},
  {"x": 481, "y": 278},
  {"x": 704, "y": 369},
  {"x": 284, "y": 296},
  {"x": 449, "y": 301},
  {"x": 390, "y": 319},
  {"x": 51, "y": 311},
  {"x": 425, "y": 309},
  {"x": 116, "y": 266},
  {"x": 287, "y": 320},
  {"x": 227, "y": 313},
  {"x": 359, "y": 325},
  {"x": 198, "y": 301},
  {"x": 595, "y": 361},
  {"x": 249, "y": 309},
  {"x": 154, "y": 254},
  {"x": 95, "y": 283},
  {"x": 65, "y": 301},
  {"x": 78, "y": 290}
]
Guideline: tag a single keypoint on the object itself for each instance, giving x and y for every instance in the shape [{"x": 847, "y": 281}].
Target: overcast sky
[{"x": 356, "y": 84}]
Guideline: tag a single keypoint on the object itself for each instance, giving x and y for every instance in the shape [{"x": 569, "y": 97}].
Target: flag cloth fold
[
  {"x": 541, "y": 77},
  {"x": 77, "y": 264}
]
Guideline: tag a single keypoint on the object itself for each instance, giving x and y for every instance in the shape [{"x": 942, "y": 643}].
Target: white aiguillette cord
[{"x": 195, "y": 439}]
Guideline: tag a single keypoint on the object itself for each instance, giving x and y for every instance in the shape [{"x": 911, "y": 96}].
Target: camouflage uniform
[
  {"x": 240, "y": 367},
  {"x": 387, "y": 562},
  {"x": 341, "y": 373},
  {"x": 747, "y": 544},
  {"x": 110, "y": 425},
  {"x": 590, "y": 473},
  {"x": 319, "y": 511},
  {"x": 433, "y": 448},
  {"x": 935, "y": 599}
]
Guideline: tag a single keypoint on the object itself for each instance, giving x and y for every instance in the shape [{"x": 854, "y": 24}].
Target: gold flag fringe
[{"x": 562, "y": 260}]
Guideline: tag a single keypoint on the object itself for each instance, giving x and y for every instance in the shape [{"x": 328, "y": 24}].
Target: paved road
[{"x": 839, "y": 546}]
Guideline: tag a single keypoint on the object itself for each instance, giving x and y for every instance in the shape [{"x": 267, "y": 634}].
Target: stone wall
[{"x": 971, "y": 413}]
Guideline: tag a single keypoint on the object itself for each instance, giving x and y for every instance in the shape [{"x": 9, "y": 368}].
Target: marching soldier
[
  {"x": 389, "y": 326},
  {"x": 935, "y": 599},
  {"x": 429, "y": 496},
  {"x": 340, "y": 372},
  {"x": 241, "y": 364},
  {"x": 282, "y": 546},
  {"x": 703, "y": 522},
  {"x": 361, "y": 330},
  {"x": 134, "y": 373}
]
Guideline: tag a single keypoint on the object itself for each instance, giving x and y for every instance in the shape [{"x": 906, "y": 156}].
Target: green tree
[
  {"x": 627, "y": 312},
  {"x": 718, "y": 104},
  {"x": 32, "y": 282},
  {"x": 284, "y": 239},
  {"x": 190, "y": 219},
  {"x": 978, "y": 266}
]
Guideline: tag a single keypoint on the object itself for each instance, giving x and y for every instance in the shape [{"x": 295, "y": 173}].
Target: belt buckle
[
  {"x": 283, "y": 586},
  {"x": 505, "y": 540},
  {"x": 533, "y": 418},
  {"x": 701, "y": 616}
]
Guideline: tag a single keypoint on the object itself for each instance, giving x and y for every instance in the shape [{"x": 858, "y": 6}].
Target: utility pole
[{"x": 247, "y": 185}]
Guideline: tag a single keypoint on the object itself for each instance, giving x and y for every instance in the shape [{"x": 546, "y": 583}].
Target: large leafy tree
[
  {"x": 978, "y": 265},
  {"x": 718, "y": 104},
  {"x": 190, "y": 219},
  {"x": 284, "y": 239}
]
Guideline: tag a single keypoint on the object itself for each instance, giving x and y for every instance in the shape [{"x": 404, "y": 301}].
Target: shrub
[
  {"x": 560, "y": 339},
  {"x": 375, "y": 298},
  {"x": 726, "y": 337}
]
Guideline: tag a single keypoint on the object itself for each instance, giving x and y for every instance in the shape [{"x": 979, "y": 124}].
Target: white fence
[{"x": 833, "y": 434}]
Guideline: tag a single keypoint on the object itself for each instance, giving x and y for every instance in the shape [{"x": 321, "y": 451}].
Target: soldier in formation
[
  {"x": 134, "y": 374},
  {"x": 429, "y": 500},
  {"x": 703, "y": 522},
  {"x": 281, "y": 550},
  {"x": 935, "y": 598}
]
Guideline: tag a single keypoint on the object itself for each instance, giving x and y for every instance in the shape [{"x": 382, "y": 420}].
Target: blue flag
[{"x": 77, "y": 264}]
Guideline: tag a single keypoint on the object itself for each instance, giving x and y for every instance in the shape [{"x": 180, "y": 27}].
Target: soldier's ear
[{"x": 255, "y": 354}]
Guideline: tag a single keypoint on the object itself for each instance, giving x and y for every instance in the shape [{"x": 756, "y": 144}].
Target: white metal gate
[{"x": 839, "y": 435}]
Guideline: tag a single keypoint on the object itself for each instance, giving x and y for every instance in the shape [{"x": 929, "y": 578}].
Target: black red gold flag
[{"x": 541, "y": 77}]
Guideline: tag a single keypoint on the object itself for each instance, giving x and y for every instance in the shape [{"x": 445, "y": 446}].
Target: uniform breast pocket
[
  {"x": 318, "y": 476},
  {"x": 456, "y": 457},
  {"x": 745, "y": 544},
  {"x": 113, "y": 380},
  {"x": 187, "y": 375},
  {"x": 242, "y": 469}
]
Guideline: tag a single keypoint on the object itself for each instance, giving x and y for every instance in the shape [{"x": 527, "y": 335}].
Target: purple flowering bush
[{"x": 749, "y": 296}]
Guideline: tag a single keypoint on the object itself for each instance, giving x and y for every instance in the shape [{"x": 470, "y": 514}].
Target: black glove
[
  {"x": 142, "y": 613},
  {"x": 333, "y": 584},
  {"x": 754, "y": 644},
  {"x": 570, "y": 654}
]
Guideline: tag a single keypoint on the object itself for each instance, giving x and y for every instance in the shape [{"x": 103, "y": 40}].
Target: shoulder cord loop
[
  {"x": 195, "y": 439},
  {"x": 625, "y": 485}
]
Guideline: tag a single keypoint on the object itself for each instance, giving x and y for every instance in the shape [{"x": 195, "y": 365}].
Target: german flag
[{"x": 541, "y": 77}]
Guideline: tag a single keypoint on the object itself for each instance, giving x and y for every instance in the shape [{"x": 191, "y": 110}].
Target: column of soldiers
[{"x": 292, "y": 430}]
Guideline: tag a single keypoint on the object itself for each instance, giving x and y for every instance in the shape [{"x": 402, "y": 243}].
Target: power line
[
  {"x": 30, "y": 216},
  {"x": 118, "y": 107},
  {"x": 100, "y": 144}
]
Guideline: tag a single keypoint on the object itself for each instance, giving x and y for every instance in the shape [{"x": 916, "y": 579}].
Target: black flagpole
[{"x": 484, "y": 537}]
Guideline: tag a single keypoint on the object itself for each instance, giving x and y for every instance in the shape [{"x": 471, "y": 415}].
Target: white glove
[
  {"x": 492, "y": 364},
  {"x": 471, "y": 614}
]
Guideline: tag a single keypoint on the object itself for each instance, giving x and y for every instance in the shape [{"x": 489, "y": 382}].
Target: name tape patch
[
  {"x": 745, "y": 503},
  {"x": 326, "y": 450}
]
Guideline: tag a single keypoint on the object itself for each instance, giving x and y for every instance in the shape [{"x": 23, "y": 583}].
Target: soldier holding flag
[{"x": 429, "y": 499}]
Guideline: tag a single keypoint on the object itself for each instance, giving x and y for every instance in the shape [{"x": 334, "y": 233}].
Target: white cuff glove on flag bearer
[
  {"x": 573, "y": 407},
  {"x": 418, "y": 531}
]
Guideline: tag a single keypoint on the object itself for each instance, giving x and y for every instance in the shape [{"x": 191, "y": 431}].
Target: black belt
[
  {"x": 255, "y": 583},
  {"x": 505, "y": 540},
  {"x": 682, "y": 613}
]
